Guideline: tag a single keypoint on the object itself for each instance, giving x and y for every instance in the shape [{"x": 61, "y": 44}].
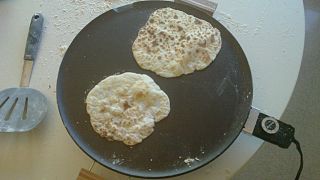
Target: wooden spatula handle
[
  {"x": 26, "y": 73},
  {"x": 32, "y": 46}
]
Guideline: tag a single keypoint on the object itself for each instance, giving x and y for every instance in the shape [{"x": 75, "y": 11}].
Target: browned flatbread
[{"x": 173, "y": 43}]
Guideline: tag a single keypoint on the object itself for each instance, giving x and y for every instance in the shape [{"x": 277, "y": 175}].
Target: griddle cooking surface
[{"x": 208, "y": 107}]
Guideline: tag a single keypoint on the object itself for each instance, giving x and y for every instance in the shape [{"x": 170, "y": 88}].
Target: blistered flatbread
[
  {"x": 125, "y": 107},
  {"x": 173, "y": 43}
]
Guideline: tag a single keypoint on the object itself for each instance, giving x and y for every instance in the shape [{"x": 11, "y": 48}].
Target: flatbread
[
  {"x": 173, "y": 43},
  {"x": 125, "y": 107}
]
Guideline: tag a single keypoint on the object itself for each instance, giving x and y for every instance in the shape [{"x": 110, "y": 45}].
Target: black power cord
[
  {"x": 279, "y": 133},
  {"x": 296, "y": 142}
]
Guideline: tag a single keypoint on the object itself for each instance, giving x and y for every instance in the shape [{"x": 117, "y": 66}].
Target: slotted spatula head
[{"x": 21, "y": 109}]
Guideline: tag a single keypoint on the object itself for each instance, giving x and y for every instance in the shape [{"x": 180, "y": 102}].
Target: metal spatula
[{"x": 22, "y": 109}]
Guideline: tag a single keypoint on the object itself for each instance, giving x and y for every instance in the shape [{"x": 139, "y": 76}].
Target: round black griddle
[{"x": 208, "y": 107}]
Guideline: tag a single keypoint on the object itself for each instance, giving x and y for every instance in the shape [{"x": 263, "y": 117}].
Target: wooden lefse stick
[
  {"x": 206, "y": 6},
  {"x": 88, "y": 175}
]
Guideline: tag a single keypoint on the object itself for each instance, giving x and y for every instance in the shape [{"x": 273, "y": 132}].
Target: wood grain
[
  {"x": 87, "y": 175},
  {"x": 206, "y": 6},
  {"x": 26, "y": 73}
]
